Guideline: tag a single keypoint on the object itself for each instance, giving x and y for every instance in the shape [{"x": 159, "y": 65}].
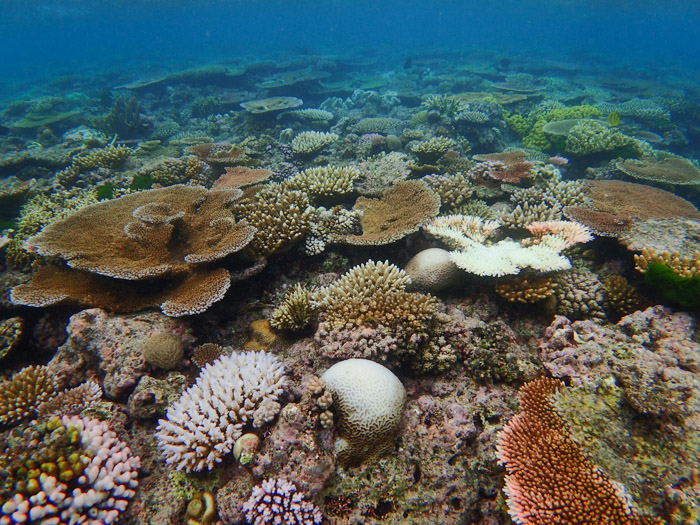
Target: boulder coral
[{"x": 369, "y": 401}]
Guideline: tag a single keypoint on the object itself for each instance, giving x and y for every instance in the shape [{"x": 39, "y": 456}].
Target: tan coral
[
  {"x": 294, "y": 312},
  {"x": 281, "y": 217},
  {"x": 24, "y": 392},
  {"x": 402, "y": 210},
  {"x": 147, "y": 234},
  {"x": 525, "y": 289},
  {"x": 453, "y": 189},
  {"x": 241, "y": 177},
  {"x": 309, "y": 143},
  {"x": 683, "y": 265},
  {"x": 671, "y": 170},
  {"x": 206, "y": 354}
]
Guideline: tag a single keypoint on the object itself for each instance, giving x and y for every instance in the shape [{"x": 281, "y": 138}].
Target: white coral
[{"x": 204, "y": 424}]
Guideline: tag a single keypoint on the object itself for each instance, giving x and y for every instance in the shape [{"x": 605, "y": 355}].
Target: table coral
[{"x": 402, "y": 210}]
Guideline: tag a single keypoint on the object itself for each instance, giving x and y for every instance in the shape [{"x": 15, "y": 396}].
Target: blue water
[{"x": 41, "y": 39}]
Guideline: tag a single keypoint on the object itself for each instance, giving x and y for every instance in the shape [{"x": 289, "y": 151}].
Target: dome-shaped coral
[
  {"x": 369, "y": 400},
  {"x": 163, "y": 350},
  {"x": 432, "y": 270}
]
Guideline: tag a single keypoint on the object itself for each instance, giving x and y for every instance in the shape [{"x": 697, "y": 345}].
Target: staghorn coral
[
  {"x": 588, "y": 137},
  {"x": 401, "y": 211},
  {"x": 277, "y": 501},
  {"x": 369, "y": 401},
  {"x": 37, "y": 213},
  {"x": 279, "y": 214},
  {"x": 429, "y": 151},
  {"x": 294, "y": 312},
  {"x": 376, "y": 125},
  {"x": 169, "y": 171},
  {"x": 580, "y": 295},
  {"x": 525, "y": 289},
  {"x": 549, "y": 479},
  {"x": 163, "y": 350},
  {"x": 329, "y": 227},
  {"x": 670, "y": 170},
  {"x": 24, "y": 392},
  {"x": 108, "y": 157},
  {"x": 621, "y": 296},
  {"x": 308, "y": 143},
  {"x": 372, "y": 294},
  {"x": 230, "y": 394},
  {"x": 324, "y": 182},
  {"x": 81, "y": 473}
]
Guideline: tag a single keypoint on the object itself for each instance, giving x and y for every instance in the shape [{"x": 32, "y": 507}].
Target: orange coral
[
  {"x": 401, "y": 210},
  {"x": 549, "y": 480}
]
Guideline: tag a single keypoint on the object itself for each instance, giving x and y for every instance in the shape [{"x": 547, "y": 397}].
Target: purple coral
[{"x": 277, "y": 501}]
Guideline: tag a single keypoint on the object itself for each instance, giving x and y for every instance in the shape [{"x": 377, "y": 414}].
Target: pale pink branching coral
[
  {"x": 276, "y": 501},
  {"x": 559, "y": 233}
]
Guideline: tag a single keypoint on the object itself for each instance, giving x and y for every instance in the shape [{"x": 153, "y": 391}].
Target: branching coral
[
  {"x": 580, "y": 295},
  {"x": 280, "y": 216},
  {"x": 24, "y": 392},
  {"x": 277, "y": 501},
  {"x": 294, "y": 312},
  {"x": 308, "y": 143},
  {"x": 429, "y": 151},
  {"x": 326, "y": 181},
  {"x": 454, "y": 189},
  {"x": 469, "y": 236},
  {"x": 230, "y": 394},
  {"x": 77, "y": 472},
  {"x": 372, "y": 294},
  {"x": 549, "y": 479},
  {"x": 401, "y": 210},
  {"x": 525, "y": 289}
]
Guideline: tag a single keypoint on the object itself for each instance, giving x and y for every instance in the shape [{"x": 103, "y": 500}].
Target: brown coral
[
  {"x": 525, "y": 289},
  {"x": 241, "y": 177},
  {"x": 147, "y": 234},
  {"x": 72, "y": 401},
  {"x": 672, "y": 170},
  {"x": 206, "y": 354},
  {"x": 683, "y": 265},
  {"x": 24, "y": 392},
  {"x": 600, "y": 222},
  {"x": 280, "y": 215},
  {"x": 622, "y": 297},
  {"x": 401, "y": 210},
  {"x": 549, "y": 479}
]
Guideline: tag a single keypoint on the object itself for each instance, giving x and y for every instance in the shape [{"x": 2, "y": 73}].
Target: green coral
[
  {"x": 684, "y": 291},
  {"x": 517, "y": 123},
  {"x": 537, "y": 139},
  {"x": 589, "y": 137}
]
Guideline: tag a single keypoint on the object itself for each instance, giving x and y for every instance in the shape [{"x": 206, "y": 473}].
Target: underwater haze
[{"x": 350, "y": 262}]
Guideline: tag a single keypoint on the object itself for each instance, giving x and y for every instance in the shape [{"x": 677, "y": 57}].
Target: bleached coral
[{"x": 234, "y": 392}]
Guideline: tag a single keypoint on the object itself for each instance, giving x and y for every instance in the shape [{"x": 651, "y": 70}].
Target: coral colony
[{"x": 308, "y": 290}]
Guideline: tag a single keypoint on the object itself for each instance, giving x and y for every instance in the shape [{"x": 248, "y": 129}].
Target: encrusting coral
[
  {"x": 549, "y": 479},
  {"x": 402, "y": 210},
  {"x": 234, "y": 392},
  {"x": 368, "y": 400}
]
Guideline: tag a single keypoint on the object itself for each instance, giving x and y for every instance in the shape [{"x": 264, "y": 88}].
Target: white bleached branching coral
[
  {"x": 234, "y": 392},
  {"x": 469, "y": 236},
  {"x": 276, "y": 501}
]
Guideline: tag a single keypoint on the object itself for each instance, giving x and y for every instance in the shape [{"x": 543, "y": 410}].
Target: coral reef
[
  {"x": 233, "y": 392},
  {"x": 402, "y": 210},
  {"x": 277, "y": 501},
  {"x": 21, "y": 395},
  {"x": 308, "y": 143},
  {"x": 163, "y": 350},
  {"x": 369, "y": 401},
  {"x": 294, "y": 312}
]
